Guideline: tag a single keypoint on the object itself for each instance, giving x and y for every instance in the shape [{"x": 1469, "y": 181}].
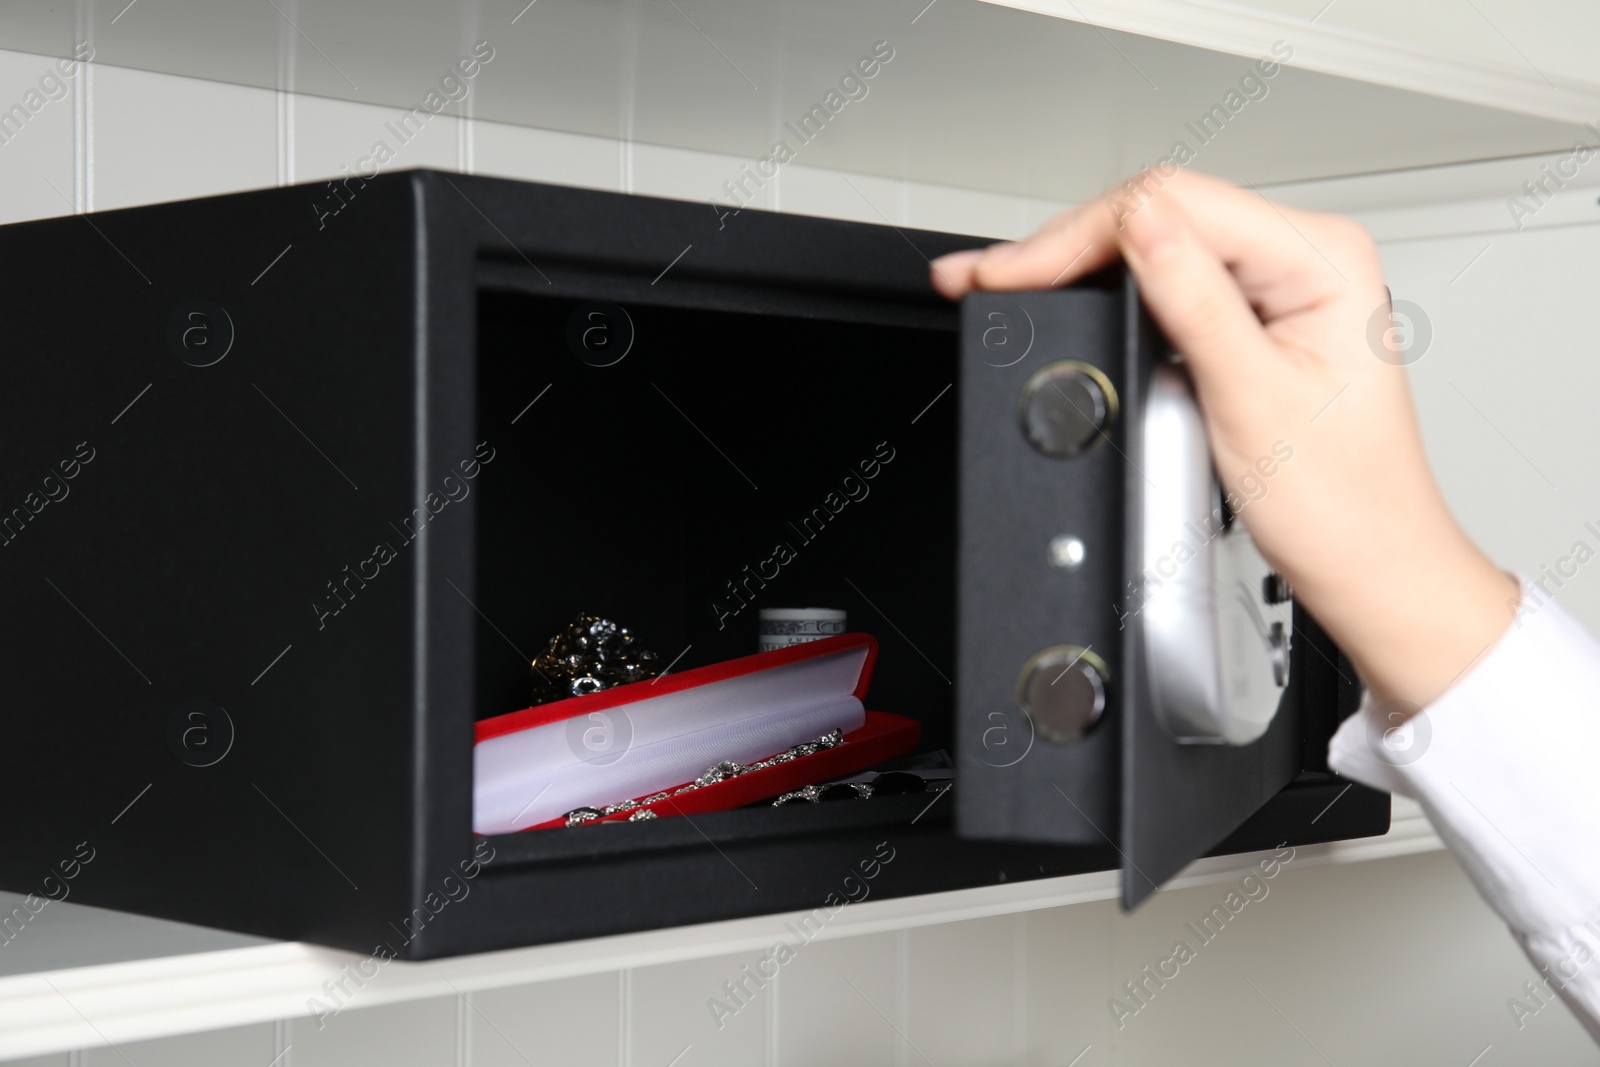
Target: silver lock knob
[
  {"x": 1066, "y": 408},
  {"x": 1062, "y": 691}
]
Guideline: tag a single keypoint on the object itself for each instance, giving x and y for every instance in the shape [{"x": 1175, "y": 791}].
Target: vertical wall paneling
[
  {"x": 336, "y": 138},
  {"x": 285, "y": 104},
  {"x": 960, "y": 990},
  {"x": 840, "y": 1003},
  {"x": 38, "y": 169},
  {"x": 708, "y": 1012},
  {"x": 774, "y": 1007},
  {"x": 1067, "y": 976},
  {"x": 546, "y": 155},
  {"x": 236, "y": 1045},
  {"x": 627, "y": 73},
  {"x": 82, "y": 139},
  {"x": 578, "y": 1020},
  {"x": 288, "y": 41},
  {"x": 902, "y": 995},
  {"x": 154, "y": 137},
  {"x": 466, "y": 128},
  {"x": 1019, "y": 987},
  {"x": 625, "y": 1018},
  {"x": 420, "y": 1033},
  {"x": 463, "y": 1030}
]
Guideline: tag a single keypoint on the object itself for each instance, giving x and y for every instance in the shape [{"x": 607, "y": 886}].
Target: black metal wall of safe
[{"x": 248, "y": 684}]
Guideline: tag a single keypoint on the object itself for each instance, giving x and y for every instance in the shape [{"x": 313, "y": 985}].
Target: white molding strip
[
  {"x": 1246, "y": 31},
  {"x": 1495, "y": 196},
  {"x": 89, "y": 1007}
]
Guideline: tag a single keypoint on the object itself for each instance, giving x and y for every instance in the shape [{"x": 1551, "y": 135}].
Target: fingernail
[
  {"x": 1001, "y": 252},
  {"x": 1150, "y": 229},
  {"x": 957, "y": 260}
]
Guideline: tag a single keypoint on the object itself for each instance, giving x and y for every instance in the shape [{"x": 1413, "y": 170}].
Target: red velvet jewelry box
[{"x": 655, "y": 737}]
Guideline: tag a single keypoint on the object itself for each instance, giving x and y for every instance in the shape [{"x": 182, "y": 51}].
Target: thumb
[{"x": 1191, "y": 293}]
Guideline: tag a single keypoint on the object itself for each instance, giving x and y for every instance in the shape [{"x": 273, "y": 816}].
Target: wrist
[{"x": 1415, "y": 632}]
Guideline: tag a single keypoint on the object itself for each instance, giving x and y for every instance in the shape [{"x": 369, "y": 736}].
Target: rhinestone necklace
[{"x": 719, "y": 772}]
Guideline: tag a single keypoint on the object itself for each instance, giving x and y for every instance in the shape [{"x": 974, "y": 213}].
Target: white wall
[
  {"x": 1507, "y": 393},
  {"x": 138, "y": 138},
  {"x": 1389, "y": 962}
]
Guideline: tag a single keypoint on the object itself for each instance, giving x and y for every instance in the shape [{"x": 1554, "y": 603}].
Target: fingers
[
  {"x": 951, "y": 275},
  {"x": 1284, "y": 260},
  {"x": 1077, "y": 242},
  {"x": 1192, "y": 295},
  {"x": 1049, "y": 258},
  {"x": 1043, "y": 261}
]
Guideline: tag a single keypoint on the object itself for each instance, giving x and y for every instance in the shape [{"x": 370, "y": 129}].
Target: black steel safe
[{"x": 296, "y": 481}]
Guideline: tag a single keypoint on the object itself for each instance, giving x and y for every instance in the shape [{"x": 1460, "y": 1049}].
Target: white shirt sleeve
[{"x": 1507, "y": 766}]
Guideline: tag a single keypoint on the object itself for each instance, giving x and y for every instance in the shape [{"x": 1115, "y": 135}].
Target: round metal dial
[
  {"x": 1066, "y": 408},
  {"x": 1062, "y": 689}
]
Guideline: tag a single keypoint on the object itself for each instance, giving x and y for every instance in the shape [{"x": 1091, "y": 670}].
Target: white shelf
[
  {"x": 1045, "y": 98},
  {"x": 1249, "y": 30},
  {"x": 180, "y": 991}
]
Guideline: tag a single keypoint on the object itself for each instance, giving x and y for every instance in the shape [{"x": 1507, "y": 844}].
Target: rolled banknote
[{"x": 781, "y": 627}]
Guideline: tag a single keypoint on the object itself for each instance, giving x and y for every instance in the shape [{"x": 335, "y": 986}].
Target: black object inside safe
[{"x": 244, "y": 678}]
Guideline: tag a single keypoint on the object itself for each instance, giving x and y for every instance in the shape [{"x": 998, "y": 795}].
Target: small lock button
[
  {"x": 1062, "y": 691},
  {"x": 1067, "y": 408}
]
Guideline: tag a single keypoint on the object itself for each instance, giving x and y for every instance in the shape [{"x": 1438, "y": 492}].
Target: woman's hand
[{"x": 1272, "y": 309}]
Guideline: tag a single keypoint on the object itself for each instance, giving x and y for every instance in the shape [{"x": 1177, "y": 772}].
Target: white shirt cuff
[{"x": 1506, "y": 764}]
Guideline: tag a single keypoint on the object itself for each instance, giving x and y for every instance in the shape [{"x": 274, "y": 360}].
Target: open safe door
[{"x": 1130, "y": 671}]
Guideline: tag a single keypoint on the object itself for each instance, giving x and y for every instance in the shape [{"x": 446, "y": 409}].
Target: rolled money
[{"x": 782, "y": 627}]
